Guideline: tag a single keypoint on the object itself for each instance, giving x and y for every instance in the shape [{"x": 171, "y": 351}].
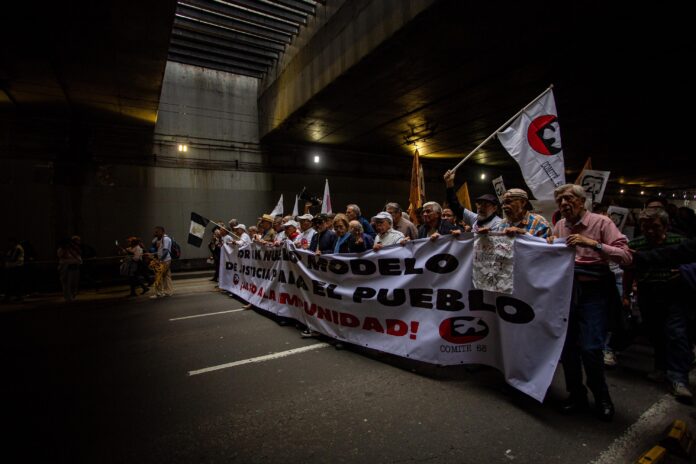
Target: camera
[{"x": 306, "y": 197}]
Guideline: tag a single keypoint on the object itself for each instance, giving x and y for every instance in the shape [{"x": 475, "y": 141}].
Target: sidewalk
[{"x": 187, "y": 282}]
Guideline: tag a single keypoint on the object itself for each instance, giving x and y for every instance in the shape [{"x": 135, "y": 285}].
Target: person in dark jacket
[
  {"x": 433, "y": 225},
  {"x": 350, "y": 237},
  {"x": 354, "y": 214},
  {"x": 324, "y": 240},
  {"x": 674, "y": 255}
]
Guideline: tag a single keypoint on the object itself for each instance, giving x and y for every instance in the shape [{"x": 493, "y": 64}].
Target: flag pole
[{"x": 507, "y": 123}]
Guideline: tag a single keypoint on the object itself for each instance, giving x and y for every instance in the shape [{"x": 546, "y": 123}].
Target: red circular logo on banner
[
  {"x": 544, "y": 136},
  {"x": 463, "y": 330}
]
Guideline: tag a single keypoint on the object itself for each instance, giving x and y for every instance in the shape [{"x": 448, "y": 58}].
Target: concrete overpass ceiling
[
  {"x": 460, "y": 69},
  {"x": 240, "y": 36},
  {"x": 82, "y": 70}
]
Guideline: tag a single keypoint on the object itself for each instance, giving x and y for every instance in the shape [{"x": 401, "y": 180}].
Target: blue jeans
[{"x": 587, "y": 331}]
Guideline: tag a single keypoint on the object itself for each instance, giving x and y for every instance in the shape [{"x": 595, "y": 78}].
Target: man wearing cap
[
  {"x": 399, "y": 222},
  {"x": 306, "y": 231},
  {"x": 241, "y": 232},
  {"x": 486, "y": 207},
  {"x": 386, "y": 235},
  {"x": 266, "y": 234},
  {"x": 518, "y": 219},
  {"x": 596, "y": 241},
  {"x": 290, "y": 230},
  {"x": 279, "y": 227},
  {"x": 324, "y": 241}
]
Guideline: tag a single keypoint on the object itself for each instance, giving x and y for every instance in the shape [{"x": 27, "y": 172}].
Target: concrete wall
[{"x": 107, "y": 199}]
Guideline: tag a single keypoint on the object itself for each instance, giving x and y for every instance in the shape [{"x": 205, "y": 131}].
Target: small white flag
[
  {"x": 295, "y": 212},
  {"x": 534, "y": 140},
  {"x": 326, "y": 199},
  {"x": 278, "y": 210}
]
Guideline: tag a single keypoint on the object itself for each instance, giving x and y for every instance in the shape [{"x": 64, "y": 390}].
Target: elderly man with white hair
[
  {"x": 433, "y": 225},
  {"x": 386, "y": 235},
  {"x": 596, "y": 241},
  {"x": 353, "y": 213}
]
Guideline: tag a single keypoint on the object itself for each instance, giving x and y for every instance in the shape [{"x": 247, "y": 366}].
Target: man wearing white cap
[
  {"x": 241, "y": 232},
  {"x": 386, "y": 235},
  {"x": 306, "y": 231},
  {"x": 290, "y": 229}
]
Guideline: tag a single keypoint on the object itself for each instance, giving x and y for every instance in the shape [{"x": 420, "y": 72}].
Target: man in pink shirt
[{"x": 596, "y": 241}]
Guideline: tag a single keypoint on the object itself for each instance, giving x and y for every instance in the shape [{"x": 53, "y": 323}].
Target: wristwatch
[{"x": 598, "y": 246}]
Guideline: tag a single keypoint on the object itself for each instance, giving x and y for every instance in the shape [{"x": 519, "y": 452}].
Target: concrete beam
[{"x": 337, "y": 38}]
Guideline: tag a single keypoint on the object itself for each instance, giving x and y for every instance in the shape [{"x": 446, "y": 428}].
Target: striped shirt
[{"x": 534, "y": 224}]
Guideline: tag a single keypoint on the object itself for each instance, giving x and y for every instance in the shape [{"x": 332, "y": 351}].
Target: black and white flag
[{"x": 197, "y": 229}]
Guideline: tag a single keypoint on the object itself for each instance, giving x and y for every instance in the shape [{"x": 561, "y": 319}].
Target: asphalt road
[{"x": 109, "y": 381}]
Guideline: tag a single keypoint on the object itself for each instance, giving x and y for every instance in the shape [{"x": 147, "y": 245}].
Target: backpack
[{"x": 176, "y": 249}]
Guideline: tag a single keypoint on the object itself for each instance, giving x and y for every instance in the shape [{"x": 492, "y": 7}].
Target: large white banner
[{"x": 418, "y": 301}]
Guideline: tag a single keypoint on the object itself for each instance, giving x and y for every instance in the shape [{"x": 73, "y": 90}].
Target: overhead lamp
[
  {"x": 483, "y": 176},
  {"x": 642, "y": 192},
  {"x": 316, "y": 159},
  {"x": 183, "y": 148},
  {"x": 622, "y": 191}
]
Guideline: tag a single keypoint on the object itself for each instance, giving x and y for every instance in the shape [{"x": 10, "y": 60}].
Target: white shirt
[
  {"x": 164, "y": 244},
  {"x": 305, "y": 236},
  {"x": 390, "y": 237}
]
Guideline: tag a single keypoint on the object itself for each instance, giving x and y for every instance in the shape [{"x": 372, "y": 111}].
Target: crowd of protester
[
  {"x": 608, "y": 286},
  {"x": 650, "y": 277}
]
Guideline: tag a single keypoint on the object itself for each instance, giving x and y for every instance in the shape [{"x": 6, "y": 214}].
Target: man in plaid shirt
[{"x": 518, "y": 219}]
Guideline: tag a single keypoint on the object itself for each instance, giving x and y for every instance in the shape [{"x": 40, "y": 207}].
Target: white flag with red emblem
[
  {"x": 534, "y": 140},
  {"x": 326, "y": 200}
]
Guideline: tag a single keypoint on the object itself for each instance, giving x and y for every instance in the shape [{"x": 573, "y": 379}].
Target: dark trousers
[
  {"x": 13, "y": 283},
  {"x": 587, "y": 330},
  {"x": 665, "y": 311}
]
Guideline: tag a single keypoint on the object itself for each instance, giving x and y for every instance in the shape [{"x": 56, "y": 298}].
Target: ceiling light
[{"x": 316, "y": 159}]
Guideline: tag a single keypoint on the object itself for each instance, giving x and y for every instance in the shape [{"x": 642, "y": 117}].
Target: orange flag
[
  {"x": 463, "y": 196},
  {"x": 588, "y": 166},
  {"x": 416, "y": 195}
]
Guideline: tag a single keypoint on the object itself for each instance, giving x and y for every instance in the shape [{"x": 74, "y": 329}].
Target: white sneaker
[{"x": 610, "y": 359}]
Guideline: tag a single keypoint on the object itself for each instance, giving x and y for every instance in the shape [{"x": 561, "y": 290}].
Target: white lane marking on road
[
  {"x": 625, "y": 445},
  {"x": 258, "y": 359},
  {"x": 206, "y": 314}
]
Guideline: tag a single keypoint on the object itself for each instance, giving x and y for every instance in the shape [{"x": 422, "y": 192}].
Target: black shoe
[
  {"x": 605, "y": 409},
  {"x": 574, "y": 404},
  {"x": 145, "y": 290}
]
